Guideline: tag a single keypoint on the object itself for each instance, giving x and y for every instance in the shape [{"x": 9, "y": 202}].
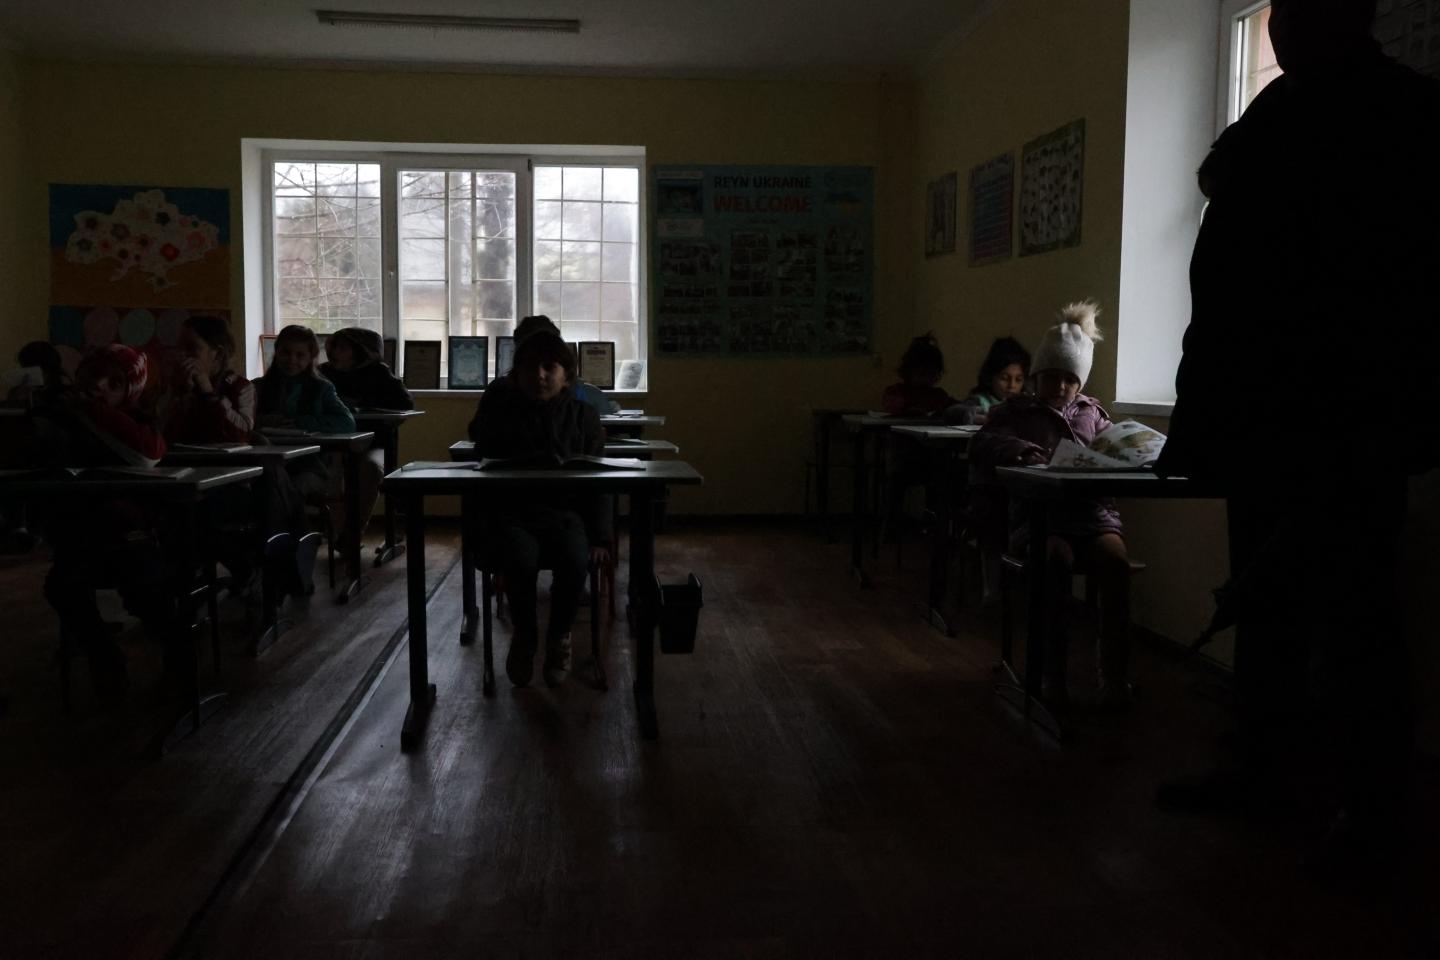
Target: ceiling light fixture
[{"x": 356, "y": 18}]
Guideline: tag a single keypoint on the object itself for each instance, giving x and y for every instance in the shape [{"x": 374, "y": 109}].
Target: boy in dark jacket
[{"x": 532, "y": 412}]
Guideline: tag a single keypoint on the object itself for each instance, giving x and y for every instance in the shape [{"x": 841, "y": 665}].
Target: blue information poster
[{"x": 762, "y": 260}]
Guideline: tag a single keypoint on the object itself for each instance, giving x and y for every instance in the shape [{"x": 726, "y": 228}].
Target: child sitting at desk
[
  {"x": 110, "y": 542},
  {"x": 293, "y": 395},
  {"x": 213, "y": 404},
  {"x": 363, "y": 380},
  {"x": 1025, "y": 430},
  {"x": 533, "y": 412},
  {"x": 918, "y": 394},
  {"x": 1002, "y": 376},
  {"x": 587, "y": 393},
  {"x": 37, "y": 359}
]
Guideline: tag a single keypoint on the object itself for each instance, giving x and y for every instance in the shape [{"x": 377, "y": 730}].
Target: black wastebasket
[{"x": 679, "y": 614}]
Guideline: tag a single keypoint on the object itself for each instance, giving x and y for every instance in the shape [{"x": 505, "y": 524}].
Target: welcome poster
[{"x": 762, "y": 260}]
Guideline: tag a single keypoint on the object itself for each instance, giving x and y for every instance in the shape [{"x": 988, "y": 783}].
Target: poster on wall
[
  {"x": 762, "y": 260},
  {"x": 130, "y": 264},
  {"x": 1052, "y": 172},
  {"x": 940, "y": 215},
  {"x": 992, "y": 210}
]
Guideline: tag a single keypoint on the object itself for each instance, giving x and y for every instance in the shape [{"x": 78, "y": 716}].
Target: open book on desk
[
  {"x": 1126, "y": 445},
  {"x": 284, "y": 432},
  {"x": 578, "y": 462},
  {"x": 440, "y": 465}
]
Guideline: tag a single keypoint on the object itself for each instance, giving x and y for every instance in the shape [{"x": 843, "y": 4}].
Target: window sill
[{"x": 1136, "y": 408}]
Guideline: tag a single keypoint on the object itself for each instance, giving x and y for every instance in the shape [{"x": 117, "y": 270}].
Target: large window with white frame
[{"x": 425, "y": 247}]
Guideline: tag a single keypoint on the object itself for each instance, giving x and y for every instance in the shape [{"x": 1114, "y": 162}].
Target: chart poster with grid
[{"x": 762, "y": 260}]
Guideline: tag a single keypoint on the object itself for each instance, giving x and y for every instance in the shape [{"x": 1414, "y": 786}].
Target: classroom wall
[
  {"x": 744, "y": 424},
  {"x": 12, "y": 334}
]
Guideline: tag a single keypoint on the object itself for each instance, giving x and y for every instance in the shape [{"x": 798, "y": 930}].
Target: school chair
[{"x": 486, "y": 565}]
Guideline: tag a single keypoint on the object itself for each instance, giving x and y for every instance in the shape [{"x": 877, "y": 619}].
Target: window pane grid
[{"x": 326, "y": 244}]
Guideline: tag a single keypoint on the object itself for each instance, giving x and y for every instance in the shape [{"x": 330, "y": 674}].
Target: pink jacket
[{"x": 1026, "y": 423}]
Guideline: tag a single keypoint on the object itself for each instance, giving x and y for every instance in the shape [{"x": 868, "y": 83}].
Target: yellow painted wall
[
  {"x": 742, "y": 423},
  {"x": 12, "y": 270}
]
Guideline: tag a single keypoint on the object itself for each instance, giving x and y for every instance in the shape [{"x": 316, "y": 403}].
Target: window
[
  {"x": 1250, "y": 58},
  {"x": 428, "y": 246}
]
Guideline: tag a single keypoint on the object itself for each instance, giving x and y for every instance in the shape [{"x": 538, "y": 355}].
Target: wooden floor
[{"x": 833, "y": 778}]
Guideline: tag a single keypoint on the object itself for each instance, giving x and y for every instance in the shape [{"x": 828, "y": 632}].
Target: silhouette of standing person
[{"x": 1307, "y": 391}]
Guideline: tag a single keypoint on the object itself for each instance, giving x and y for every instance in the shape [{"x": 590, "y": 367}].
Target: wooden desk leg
[
  {"x": 1037, "y": 625},
  {"x": 859, "y": 516},
  {"x": 643, "y": 606},
  {"x": 353, "y": 580},
  {"x": 940, "y": 543},
  {"x": 392, "y": 547},
  {"x": 422, "y": 691},
  {"x": 198, "y": 707},
  {"x": 469, "y": 611}
]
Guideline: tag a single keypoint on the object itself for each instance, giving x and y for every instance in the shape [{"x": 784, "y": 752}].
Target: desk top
[
  {"x": 384, "y": 418},
  {"x": 855, "y": 422},
  {"x": 1041, "y": 483},
  {"x": 655, "y": 473},
  {"x": 193, "y": 485},
  {"x": 465, "y": 449},
  {"x": 627, "y": 420},
  {"x": 936, "y": 434},
  {"x": 258, "y": 453},
  {"x": 357, "y": 442}
]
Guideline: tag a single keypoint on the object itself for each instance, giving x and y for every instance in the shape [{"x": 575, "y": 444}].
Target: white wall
[{"x": 1169, "y": 125}]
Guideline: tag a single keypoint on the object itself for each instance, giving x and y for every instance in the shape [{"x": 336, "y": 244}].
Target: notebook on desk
[
  {"x": 441, "y": 465},
  {"x": 286, "y": 432}
]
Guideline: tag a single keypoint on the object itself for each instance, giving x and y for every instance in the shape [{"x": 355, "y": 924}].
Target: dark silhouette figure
[{"x": 1316, "y": 265}]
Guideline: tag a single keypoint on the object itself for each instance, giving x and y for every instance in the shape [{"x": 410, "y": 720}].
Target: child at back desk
[
  {"x": 918, "y": 394},
  {"x": 214, "y": 404},
  {"x": 293, "y": 394},
  {"x": 1025, "y": 430},
  {"x": 362, "y": 379},
  {"x": 1002, "y": 376},
  {"x": 533, "y": 412}
]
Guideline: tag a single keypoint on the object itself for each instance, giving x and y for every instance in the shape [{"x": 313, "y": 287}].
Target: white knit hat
[{"x": 1070, "y": 344}]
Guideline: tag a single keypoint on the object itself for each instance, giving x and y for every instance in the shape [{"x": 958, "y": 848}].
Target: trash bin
[{"x": 679, "y": 614}]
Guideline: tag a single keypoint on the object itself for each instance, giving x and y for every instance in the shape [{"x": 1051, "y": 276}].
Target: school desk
[
  {"x": 411, "y": 487},
  {"x": 258, "y": 454},
  {"x": 629, "y": 424},
  {"x": 351, "y": 447},
  {"x": 1039, "y": 488},
  {"x": 614, "y": 447},
  {"x": 864, "y": 430},
  {"x": 186, "y": 495},
  {"x": 822, "y": 424},
  {"x": 946, "y": 448},
  {"x": 386, "y": 424}
]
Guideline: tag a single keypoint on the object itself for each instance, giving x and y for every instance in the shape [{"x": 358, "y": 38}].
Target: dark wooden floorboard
[{"x": 833, "y": 778}]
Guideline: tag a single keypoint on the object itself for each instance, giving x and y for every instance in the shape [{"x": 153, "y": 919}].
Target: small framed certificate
[
  {"x": 504, "y": 355},
  {"x": 597, "y": 363},
  {"x": 469, "y": 362},
  {"x": 267, "y": 351},
  {"x": 422, "y": 364}
]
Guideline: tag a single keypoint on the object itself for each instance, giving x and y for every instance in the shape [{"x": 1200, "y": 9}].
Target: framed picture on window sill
[
  {"x": 469, "y": 362},
  {"x": 597, "y": 363},
  {"x": 422, "y": 364}
]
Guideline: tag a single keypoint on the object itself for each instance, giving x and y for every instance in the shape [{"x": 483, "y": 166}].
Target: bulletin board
[{"x": 762, "y": 260}]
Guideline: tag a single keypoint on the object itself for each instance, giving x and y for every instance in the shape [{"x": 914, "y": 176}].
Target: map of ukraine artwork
[{"x": 130, "y": 263}]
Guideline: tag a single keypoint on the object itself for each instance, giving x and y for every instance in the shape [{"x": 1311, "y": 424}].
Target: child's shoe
[
  {"x": 306, "y": 549},
  {"x": 557, "y": 661},
  {"x": 520, "y": 661}
]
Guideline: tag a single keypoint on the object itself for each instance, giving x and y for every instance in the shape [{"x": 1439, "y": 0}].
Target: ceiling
[{"x": 823, "y": 38}]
